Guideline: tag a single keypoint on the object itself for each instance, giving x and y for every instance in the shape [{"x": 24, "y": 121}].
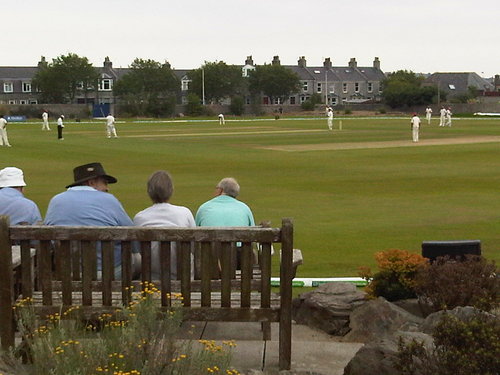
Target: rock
[
  {"x": 377, "y": 319},
  {"x": 463, "y": 313},
  {"x": 413, "y": 306},
  {"x": 378, "y": 357},
  {"x": 375, "y": 358},
  {"x": 328, "y": 307}
]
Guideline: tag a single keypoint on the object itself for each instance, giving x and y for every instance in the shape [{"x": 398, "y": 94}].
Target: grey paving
[{"x": 313, "y": 351}]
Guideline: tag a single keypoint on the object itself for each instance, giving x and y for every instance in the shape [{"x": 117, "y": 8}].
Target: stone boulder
[
  {"x": 377, "y": 319},
  {"x": 462, "y": 313},
  {"x": 328, "y": 307},
  {"x": 378, "y": 357}
]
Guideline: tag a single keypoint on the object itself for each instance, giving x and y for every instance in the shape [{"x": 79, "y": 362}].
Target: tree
[
  {"x": 274, "y": 81},
  {"x": 60, "y": 81},
  {"x": 405, "y": 88},
  {"x": 237, "y": 106},
  {"x": 310, "y": 104},
  {"x": 150, "y": 88},
  {"x": 220, "y": 81}
]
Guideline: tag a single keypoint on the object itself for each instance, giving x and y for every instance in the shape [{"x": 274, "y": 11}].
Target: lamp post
[
  {"x": 326, "y": 87},
  {"x": 203, "y": 86}
]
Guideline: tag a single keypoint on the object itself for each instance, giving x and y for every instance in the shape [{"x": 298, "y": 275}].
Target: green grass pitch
[{"x": 351, "y": 192}]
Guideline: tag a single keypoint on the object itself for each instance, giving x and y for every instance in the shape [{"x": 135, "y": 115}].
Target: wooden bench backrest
[{"x": 214, "y": 246}]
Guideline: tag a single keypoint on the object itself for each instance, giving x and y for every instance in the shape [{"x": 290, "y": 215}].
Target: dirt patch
[{"x": 386, "y": 144}]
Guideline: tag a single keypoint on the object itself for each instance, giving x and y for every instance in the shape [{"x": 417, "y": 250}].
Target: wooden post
[
  {"x": 285, "y": 334},
  {"x": 6, "y": 298}
]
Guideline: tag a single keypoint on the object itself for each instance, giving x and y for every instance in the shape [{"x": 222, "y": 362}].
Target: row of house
[{"x": 336, "y": 84}]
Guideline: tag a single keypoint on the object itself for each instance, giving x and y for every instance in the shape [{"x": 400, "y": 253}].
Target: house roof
[
  {"x": 459, "y": 82},
  {"x": 17, "y": 72},
  {"x": 337, "y": 73}
]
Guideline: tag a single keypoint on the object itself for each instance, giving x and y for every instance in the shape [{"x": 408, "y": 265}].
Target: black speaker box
[{"x": 454, "y": 249}]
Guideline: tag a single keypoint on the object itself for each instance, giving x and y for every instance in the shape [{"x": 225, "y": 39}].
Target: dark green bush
[
  {"x": 461, "y": 347},
  {"x": 447, "y": 283},
  {"x": 237, "y": 106}
]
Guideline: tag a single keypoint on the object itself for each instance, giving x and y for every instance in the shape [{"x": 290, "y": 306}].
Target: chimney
[
  {"x": 249, "y": 61},
  {"x": 276, "y": 60},
  {"x": 42, "y": 63},
  {"x": 497, "y": 82},
  {"x": 108, "y": 64},
  {"x": 327, "y": 63},
  {"x": 376, "y": 63},
  {"x": 302, "y": 62},
  {"x": 353, "y": 63}
]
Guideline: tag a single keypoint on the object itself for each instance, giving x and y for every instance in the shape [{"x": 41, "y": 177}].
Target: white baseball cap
[{"x": 11, "y": 177}]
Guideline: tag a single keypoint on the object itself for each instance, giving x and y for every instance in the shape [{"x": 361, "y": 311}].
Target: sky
[{"x": 423, "y": 36}]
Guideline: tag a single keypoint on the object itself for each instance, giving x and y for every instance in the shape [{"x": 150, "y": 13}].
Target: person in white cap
[
  {"x": 13, "y": 204},
  {"x": 60, "y": 127},
  {"x": 329, "y": 114},
  {"x": 428, "y": 114},
  {"x": 448, "y": 117},
  {"x": 415, "y": 126},
  {"x": 110, "y": 126},
  {"x": 4, "y": 141},
  {"x": 45, "y": 119}
]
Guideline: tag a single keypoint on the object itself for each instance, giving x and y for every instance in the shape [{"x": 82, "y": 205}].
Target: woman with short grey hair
[{"x": 160, "y": 188}]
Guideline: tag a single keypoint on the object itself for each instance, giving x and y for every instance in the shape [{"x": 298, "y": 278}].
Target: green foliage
[
  {"x": 274, "y": 81},
  {"x": 461, "y": 347},
  {"x": 237, "y": 106},
  {"x": 150, "y": 88},
  {"x": 193, "y": 106},
  {"x": 348, "y": 111},
  {"x": 395, "y": 279},
  {"x": 142, "y": 339},
  {"x": 404, "y": 88},
  {"x": 382, "y": 111},
  {"x": 60, "y": 81},
  {"x": 446, "y": 284},
  {"x": 310, "y": 103},
  {"x": 221, "y": 81}
]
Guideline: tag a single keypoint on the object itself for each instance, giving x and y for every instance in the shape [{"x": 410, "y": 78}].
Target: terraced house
[{"x": 336, "y": 84}]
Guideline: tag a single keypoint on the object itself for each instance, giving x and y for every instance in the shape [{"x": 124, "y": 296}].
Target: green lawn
[{"x": 346, "y": 204}]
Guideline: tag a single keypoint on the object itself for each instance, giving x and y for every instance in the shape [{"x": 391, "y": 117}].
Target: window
[
  {"x": 277, "y": 100},
  {"x": 334, "y": 101},
  {"x": 344, "y": 87},
  {"x": 302, "y": 99},
  {"x": 12, "y": 101},
  {"x": 370, "y": 87},
  {"x": 332, "y": 89},
  {"x": 304, "y": 86},
  {"x": 8, "y": 87},
  {"x": 185, "y": 85},
  {"x": 292, "y": 100},
  {"x": 33, "y": 101},
  {"x": 248, "y": 100},
  {"x": 106, "y": 84},
  {"x": 452, "y": 87},
  {"x": 356, "y": 87},
  {"x": 22, "y": 101},
  {"x": 318, "y": 89},
  {"x": 26, "y": 86},
  {"x": 79, "y": 85}
]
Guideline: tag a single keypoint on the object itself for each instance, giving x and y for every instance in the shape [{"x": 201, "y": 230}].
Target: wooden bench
[{"x": 66, "y": 275}]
